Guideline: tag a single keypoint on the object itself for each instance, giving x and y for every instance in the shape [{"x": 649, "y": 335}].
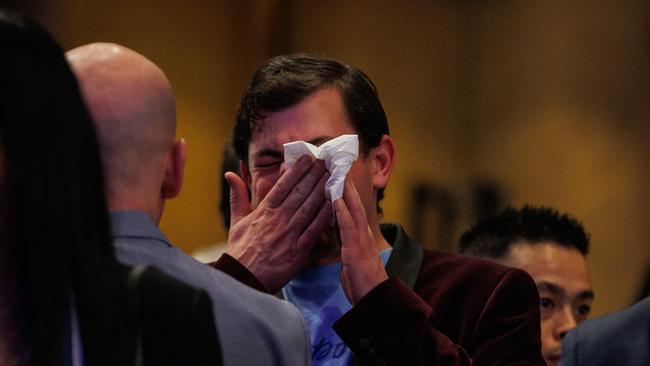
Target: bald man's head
[{"x": 132, "y": 104}]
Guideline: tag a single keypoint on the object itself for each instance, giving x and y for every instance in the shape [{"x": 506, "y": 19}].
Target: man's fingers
[
  {"x": 306, "y": 188},
  {"x": 353, "y": 202},
  {"x": 347, "y": 226},
  {"x": 284, "y": 186},
  {"x": 311, "y": 235},
  {"x": 310, "y": 206},
  {"x": 239, "y": 202}
]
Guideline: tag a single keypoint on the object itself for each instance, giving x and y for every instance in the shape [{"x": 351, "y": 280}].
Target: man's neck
[
  {"x": 153, "y": 208},
  {"x": 328, "y": 249}
]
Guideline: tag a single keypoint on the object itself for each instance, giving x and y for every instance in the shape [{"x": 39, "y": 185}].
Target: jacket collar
[
  {"x": 136, "y": 224},
  {"x": 406, "y": 260}
]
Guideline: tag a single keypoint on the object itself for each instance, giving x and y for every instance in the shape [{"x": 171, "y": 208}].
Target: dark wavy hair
[
  {"x": 55, "y": 226},
  {"x": 284, "y": 81},
  {"x": 492, "y": 237}
]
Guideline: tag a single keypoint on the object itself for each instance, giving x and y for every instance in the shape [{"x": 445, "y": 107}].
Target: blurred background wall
[{"x": 490, "y": 103}]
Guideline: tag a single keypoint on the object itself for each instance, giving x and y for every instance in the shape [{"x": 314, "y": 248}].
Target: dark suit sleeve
[
  {"x": 394, "y": 325},
  {"x": 177, "y": 323},
  {"x": 201, "y": 333},
  {"x": 508, "y": 330},
  {"x": 238, "y": 271}
]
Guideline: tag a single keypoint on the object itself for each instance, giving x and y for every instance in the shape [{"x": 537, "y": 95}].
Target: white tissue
[{"x": 339, "y": 154}]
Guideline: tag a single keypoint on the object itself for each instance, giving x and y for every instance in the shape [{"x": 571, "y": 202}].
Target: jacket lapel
[{"x": 406, "y": 260}]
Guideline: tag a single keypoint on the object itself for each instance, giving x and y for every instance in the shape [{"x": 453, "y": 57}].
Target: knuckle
[
  {"x": 281, "y": 185},
  {"x": 298, "y": 191},
  {"x": 305, "y": 212},
  {"x": 266, "y": 217}
]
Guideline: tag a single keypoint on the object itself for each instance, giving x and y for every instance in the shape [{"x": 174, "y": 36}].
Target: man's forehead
[
  {"x": 547, "y": 258},
  {"x": 555, "y": 268},
  {"x": 542, "y": 251},
  {"x": 275, "y": 149},
  {"x": 318, "y": 117}
]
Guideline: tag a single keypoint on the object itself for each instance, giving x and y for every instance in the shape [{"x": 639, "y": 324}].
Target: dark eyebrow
[
  {"x": 585, "y": 295},
  {"x": 559, "y": 291},
  {"x": 550, "y": 287}
]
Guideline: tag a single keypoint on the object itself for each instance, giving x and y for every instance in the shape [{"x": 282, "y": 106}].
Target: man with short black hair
[
  {"x": 552, "y": 248},
  {"x": 369, "y": 293}
]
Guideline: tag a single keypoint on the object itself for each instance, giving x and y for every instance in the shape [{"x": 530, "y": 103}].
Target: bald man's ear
[{"x": 174, "y": 170}]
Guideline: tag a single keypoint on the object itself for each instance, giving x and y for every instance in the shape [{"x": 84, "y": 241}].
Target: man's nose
[{"x": 567, "y": 321}]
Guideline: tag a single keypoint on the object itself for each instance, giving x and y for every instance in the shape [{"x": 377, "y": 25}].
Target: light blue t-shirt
[{"x": 317, "y": 293}]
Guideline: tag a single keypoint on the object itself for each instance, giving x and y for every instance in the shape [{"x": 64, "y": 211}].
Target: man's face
[
  {"x": 564, "y": 289},
  {"x": 318, "y": 118}
]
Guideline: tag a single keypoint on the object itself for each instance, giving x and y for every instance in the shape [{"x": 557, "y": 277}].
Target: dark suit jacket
[
  {"x": 621, "y": 338},
  {"x": 174, "y": 320},
  {"x": 438, "y": 309}
]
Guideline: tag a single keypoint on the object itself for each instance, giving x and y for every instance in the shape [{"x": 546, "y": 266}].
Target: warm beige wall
[
  {"x": 208, "y": 50},
  {"x": 548, "y": 100},
  {"x": 562, "y": 120}
]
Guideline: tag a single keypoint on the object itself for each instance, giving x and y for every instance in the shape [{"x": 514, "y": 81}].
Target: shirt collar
[{"x": 136, "y": 224}]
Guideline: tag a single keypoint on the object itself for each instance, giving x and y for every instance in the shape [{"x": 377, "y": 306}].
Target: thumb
[{"x": 239, "y": 202}]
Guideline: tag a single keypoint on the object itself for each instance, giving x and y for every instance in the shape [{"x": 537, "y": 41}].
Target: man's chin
[
  {"x": 326, "y": 251},
  {"x": 552, "y": 358}
]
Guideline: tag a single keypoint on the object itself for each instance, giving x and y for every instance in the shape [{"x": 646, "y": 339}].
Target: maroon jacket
[{"x": 437, "y": 309}]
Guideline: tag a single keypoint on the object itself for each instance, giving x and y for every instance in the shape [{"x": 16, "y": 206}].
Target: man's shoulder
[
  {"x": 635, "y": 319},
  {"x": 168, "y": 311},
  {"x": 434, "y": 267},
  {"x": 162, "y": 293},
  {"x": 619, "y": 338},
  {"x": 247, "y": 318},
  {"x": 175, "y": 263},
  {"x": 463, "y": 268},
  {"x": 152, "y": 251},
  {"x": 477, "y": 277},
  {"x": 471, "y": 295},
  {"x": 445, "y": 279}
]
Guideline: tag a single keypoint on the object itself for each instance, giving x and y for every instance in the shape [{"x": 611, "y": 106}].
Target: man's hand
[
  {"x": 362, "y": 268},
  {"x": 274, "y": 240}
]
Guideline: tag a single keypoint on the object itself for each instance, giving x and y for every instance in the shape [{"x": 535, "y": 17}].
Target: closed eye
[
  {"x": 267, "y": 165},
  {"x": 267, "y": 159}
]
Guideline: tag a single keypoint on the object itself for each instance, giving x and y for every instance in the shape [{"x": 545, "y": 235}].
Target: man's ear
[
  {"x": 245, "y": 174},
  {"x": 382, "y": 158},
  {"x": 174, "y": 170}
]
